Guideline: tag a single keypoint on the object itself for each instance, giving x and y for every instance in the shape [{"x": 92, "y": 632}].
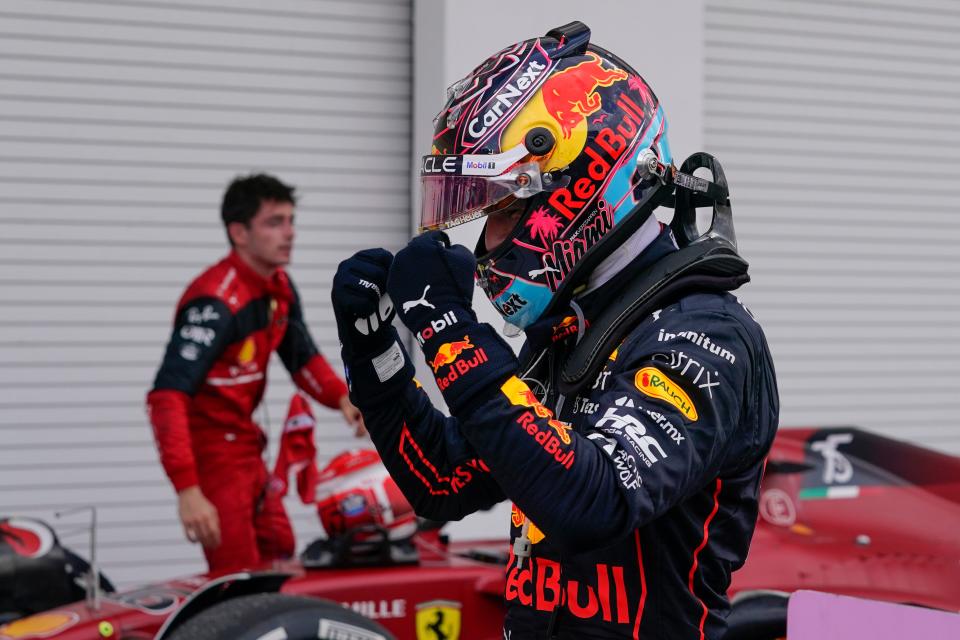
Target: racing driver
[
  {"x": 630, "y": 434},
  {"x": 213, "y": 375}
]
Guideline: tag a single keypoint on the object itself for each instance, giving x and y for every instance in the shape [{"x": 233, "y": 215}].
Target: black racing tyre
[
  {"x": 270, "y": 616},
  {"x": 758, "y": 617}
]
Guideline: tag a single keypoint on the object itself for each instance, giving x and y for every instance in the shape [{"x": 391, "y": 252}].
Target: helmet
[
  {"x": 37, "y": 573},
  {"x": 357, "y": 497},
  {"x": 563, "y": 130}
]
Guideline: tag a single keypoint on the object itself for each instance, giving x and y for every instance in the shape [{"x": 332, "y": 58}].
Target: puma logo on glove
[
  {"x": 466, "y": 357},
  {"x": 421, "y": 301}
]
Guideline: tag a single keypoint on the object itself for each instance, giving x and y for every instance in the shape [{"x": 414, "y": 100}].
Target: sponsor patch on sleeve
[
  {"x": 654, "y": 383},
  {"x": 554, "y": 436}
]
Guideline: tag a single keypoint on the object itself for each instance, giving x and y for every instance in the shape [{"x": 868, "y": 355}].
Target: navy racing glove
[
  {"x": 361, "y": 306},
  {"x": 432, "y": 284}
]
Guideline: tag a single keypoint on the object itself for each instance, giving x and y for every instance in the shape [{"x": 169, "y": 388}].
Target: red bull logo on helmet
[
  {"x": 571, "y": 95},
  {"x": 604, "y": 153}
]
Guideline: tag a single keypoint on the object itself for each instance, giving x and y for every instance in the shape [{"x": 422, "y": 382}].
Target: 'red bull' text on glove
[{"x": 431, "y": 283}]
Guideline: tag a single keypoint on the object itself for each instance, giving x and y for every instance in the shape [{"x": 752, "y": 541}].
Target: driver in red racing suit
[
  {"x": 213, "y": 375},
  {"x": 631, "y": 433}
]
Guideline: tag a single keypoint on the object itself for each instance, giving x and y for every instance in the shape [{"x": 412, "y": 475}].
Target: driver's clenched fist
[{"x": 199, "y": 518}]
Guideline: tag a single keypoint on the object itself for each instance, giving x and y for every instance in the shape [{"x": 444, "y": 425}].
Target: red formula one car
[{"x": 842, "y": 511}]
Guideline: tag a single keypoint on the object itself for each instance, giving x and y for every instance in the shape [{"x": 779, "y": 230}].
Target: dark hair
[{"x": 243, "y": 197}]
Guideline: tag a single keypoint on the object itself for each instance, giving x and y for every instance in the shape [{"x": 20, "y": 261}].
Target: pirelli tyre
[
  {"x": 277, "y": 616},
  {"x": 758, "y": 616}
]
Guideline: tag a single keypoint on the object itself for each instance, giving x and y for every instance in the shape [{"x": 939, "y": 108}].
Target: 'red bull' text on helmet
[{"x": 564, "y": 130}]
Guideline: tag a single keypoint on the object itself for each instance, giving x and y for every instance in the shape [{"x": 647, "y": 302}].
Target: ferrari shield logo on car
[{"x": 438, "y": 620}]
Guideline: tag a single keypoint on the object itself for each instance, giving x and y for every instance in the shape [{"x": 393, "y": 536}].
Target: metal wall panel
[
  {"x": 121, "y": 122},
  {"x": 837, "y": 125}
]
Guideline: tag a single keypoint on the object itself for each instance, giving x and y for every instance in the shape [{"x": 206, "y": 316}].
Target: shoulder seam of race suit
[
  {"x": 228, "y": 280},
  {"x": 635, "y": 337},
  {"x": 214, "y": 281}
]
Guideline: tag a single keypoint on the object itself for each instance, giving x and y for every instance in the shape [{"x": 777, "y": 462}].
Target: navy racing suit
[{"x": 636, "y": 499}]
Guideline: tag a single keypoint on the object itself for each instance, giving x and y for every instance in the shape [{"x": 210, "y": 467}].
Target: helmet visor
[{"x": 458, "y": 189}]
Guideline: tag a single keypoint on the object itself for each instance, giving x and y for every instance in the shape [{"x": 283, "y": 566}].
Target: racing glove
[
  {"x": 371, "y": 351},
  {"x": 432, "y": 282},
  {"x": 362, "y": 309}
]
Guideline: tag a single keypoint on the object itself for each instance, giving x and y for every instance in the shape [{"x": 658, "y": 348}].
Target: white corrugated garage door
[
  {"x": 837, "y": 123},
  {"x": 121, "y": 122}
]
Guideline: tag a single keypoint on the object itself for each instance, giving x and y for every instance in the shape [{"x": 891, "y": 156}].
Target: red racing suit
[{"x": 213, "y": 375}]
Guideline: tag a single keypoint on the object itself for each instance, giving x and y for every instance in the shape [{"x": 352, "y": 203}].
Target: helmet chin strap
[{"x": 623, "y": 255}]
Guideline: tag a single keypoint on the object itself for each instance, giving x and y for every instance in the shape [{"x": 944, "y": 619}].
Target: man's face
[
  {"x": 268, "y": 240},
  {"x": 500, "y": 224}
]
